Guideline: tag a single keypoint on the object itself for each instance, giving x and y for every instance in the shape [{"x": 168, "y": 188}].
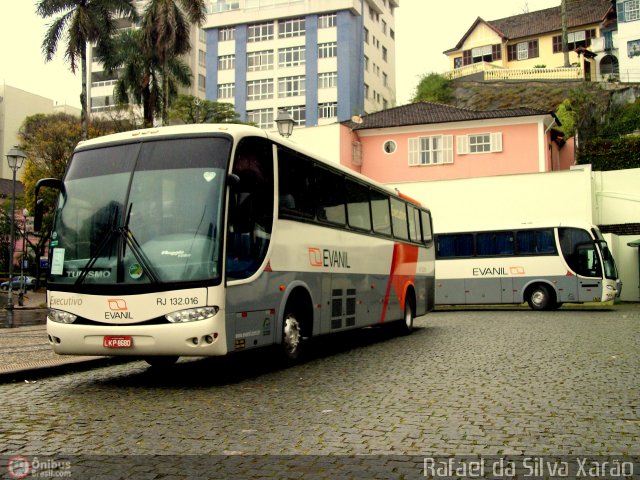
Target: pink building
[{"x": 429, "y": 141}]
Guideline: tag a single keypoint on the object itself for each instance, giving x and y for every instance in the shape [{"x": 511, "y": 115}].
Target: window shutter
[
  {"x": 447, "y": 149},
  {"x": 620, "y": 10},
  {"x": 462, "y": 144},
  {"x": 414, "y": 151},
  {"x": 496, "y": 142}
]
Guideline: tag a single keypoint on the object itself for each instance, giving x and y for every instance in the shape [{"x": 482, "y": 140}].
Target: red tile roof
[{"x": 424, "y": 113}]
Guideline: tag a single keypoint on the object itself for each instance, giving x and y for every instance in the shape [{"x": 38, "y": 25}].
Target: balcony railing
[{"x": 494, "y": 72}]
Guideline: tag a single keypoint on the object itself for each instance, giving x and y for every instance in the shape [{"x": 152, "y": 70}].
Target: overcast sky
[{"x": 424, "y": 29}]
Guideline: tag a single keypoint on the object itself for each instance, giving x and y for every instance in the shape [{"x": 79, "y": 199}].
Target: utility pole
[{"x": 565, "y": 43}]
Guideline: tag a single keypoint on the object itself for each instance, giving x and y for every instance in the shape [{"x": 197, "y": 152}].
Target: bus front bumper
[{"x": 195, "y": 339}]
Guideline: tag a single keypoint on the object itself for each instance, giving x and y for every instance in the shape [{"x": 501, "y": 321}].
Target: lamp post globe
[{"x": 285, "y": 123}]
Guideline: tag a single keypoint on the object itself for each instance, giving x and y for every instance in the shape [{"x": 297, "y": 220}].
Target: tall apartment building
[
  {"x": 320, "y": 60},
  {"x": 100, "y": 85}
]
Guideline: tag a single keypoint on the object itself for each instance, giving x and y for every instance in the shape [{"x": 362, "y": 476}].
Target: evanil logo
[
  {"x": 118, "y": 310},
  {"x": 328, "y": 258}
]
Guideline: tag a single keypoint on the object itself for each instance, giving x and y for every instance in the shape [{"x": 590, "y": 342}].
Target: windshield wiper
[
  {"x": 106, "y": 240},
  {"x": 136, "y": 249}
]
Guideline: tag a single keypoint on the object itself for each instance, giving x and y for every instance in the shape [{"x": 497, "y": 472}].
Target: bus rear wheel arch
[
  {"x": 297, "y": 324},
  {"x": 541, "y": 297}
]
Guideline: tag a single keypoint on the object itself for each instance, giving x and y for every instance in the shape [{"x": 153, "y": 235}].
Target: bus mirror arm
[
  {"x": 233, "y": 179},
  {"x": 44, "y": 182}
]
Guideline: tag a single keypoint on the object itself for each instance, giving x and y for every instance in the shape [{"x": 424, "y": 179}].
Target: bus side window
[
  {"x": 251, "y": 208},
  {"x": 295, "y": 179}
]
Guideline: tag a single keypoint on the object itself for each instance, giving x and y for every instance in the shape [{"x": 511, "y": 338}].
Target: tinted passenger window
[
  {"x": 295, "y": 175},
  {"x": 330, "y": 196},
  {"x": 380, "y": 213},
  {"x": 494, "y": 243},
  {"x": 427, "y": 235},
  {"x": 414, "y": 224},
  {"x": 358, "y": 205},
  {"x": 399, "y": 216},
  {"x": 455, "y": 245},
  {"x": 536, "y": 242}
]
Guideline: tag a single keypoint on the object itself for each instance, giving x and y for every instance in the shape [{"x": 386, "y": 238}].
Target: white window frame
[
  {"x": 465, "y": 146},
  {"x": 431, "y": 150},
  {"x": 631, "y": 10},
  {"x": 262, "y": 117},
  {"x": 260, "y": 32},
  {"x": 261, "y": 60},
  {"x": 226, "y": 34},
  {"x": 226, "y": 90},
  {"x": 298, "y": 113},
  {"x": 328, "y": 110},
  {"x": 291, "y": 86},
  {"x": 295, "y": 27},
  {"x": 522, "y": 49},
  {"x": 328, "y": 50},
  {"x": 226, "y": 62},
  {"x": 291, "y": 56},
  {"x": 327, "y": 21},
  {"x": 327, "y": 80},
  {"x": 260, "y": 89}
]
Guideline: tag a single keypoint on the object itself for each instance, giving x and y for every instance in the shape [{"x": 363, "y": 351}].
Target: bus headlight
[
  {"x": 611, "y": 287},
  {"x": 191, "y": 314},
  {"x": 60, "y": 316}
]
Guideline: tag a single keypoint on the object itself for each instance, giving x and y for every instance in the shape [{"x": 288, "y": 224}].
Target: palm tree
[
  {"x": 81, "y": 21},
  {"x": 165, "y": 26},
  {"x": 139, "y": 73}
]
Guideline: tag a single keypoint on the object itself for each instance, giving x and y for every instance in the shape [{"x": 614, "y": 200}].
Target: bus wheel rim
[
  {"x": 538, "y": 297},
  {"x": 291, "y": 337}
]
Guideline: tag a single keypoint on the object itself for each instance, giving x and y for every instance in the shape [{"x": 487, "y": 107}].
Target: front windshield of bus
[
  {"x": 141, "y": 213},
  {"x": 610, "y": 270}
]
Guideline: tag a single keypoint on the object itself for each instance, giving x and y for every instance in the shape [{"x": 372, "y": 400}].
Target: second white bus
[{"x": 543, "y": 265}]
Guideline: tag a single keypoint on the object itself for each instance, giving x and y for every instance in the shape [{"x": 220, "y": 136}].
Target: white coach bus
[
  {"x": 544, "y": 265},
  {"x": 210, "y": 239}
]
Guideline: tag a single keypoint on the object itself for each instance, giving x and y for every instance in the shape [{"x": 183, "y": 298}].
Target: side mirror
[
  {"x": 44, "y": 182},
  {"x": 232, "y": 180}
]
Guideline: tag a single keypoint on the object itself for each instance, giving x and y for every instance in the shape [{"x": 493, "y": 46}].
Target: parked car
[{"x": 29, "y": 283}]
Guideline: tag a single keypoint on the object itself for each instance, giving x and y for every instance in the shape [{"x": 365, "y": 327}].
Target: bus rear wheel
[
  {"x": 540, "y": 298},
  {"x": 405, "y": 326}
]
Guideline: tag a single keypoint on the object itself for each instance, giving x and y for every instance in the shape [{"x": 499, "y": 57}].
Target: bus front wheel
[
  {"x": 540, "y": 298},
  {"x": 291, "y": 336}
]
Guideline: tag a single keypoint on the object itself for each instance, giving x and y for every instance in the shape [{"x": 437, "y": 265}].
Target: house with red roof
[
  {"x": 430, "y": 141},
  {"x": 529, "y": 45}
]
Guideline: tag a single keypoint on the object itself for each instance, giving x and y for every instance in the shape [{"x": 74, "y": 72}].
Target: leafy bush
[{"x": 607, "y": 154}]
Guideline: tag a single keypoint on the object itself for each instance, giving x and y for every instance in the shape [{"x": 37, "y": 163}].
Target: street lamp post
[
  {"x": 284, "y": 123},
  {"x": 15, "y": 158}
]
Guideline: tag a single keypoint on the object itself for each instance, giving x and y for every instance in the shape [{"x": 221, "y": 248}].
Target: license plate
[{"x": 117, "y": 342}]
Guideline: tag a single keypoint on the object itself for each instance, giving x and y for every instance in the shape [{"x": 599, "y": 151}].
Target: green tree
[
  {"x": 81, "y": 22},
  {"x": 49, "y": 141},
  {"x": 139, "y": 73},
  {"x": 166, "y": 27},
  {"x": 433, "y": 87},
  {"x": 190, "y": 109}
]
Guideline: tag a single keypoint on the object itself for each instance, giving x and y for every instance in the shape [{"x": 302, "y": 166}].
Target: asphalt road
[{"x": 494, "y": 384}]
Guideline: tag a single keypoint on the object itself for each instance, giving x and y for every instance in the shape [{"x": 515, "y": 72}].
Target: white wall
[
  {"x": 627, "y": 263},
  {"x": 508, "y": 199},
  {"x": 323, "y": 140},
  {"x": 617, "y": 197}
]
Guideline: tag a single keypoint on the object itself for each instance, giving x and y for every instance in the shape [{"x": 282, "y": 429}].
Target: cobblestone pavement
[{"x": 502, "y": 382}]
